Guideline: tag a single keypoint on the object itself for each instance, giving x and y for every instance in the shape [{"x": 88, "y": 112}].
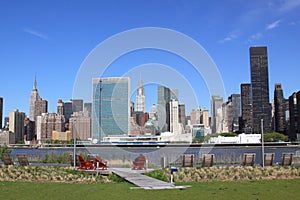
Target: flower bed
[
  {"x": 233, "y": 173},
  {"x": 47, "y": 174}
]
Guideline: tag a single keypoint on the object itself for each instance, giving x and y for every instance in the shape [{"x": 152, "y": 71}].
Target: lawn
[{"x": 267, "y": 189}]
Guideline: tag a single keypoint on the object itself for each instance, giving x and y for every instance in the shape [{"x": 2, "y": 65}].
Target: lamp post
[
  {"x": 74, "y": 137},
  {"x": 262, "y": 143}
]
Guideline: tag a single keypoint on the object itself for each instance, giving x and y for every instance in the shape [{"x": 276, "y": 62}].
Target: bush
[
  {"x": 159, "y": 174},
  {"x": 275, "y": 137}
]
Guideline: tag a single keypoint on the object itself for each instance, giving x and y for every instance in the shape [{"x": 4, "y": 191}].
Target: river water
[{"x": 154, "y": 155}]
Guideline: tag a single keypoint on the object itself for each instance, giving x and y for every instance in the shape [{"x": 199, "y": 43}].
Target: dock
[{"x": 137, "y": 178}]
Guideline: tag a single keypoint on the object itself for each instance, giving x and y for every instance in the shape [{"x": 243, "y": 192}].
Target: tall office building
[
  {"x": 81, "y": 122},
  {"x": 205, "y": 118},
  {"x": 60, "y": 107},
  {"x": 140, "y": 97},
  {"x": 29, "y": 129},
  {"x": 34, "y": 96},
  {"x": 40, "y": 106},
  {"x": 246, "y": 125},
  {"x": 216, "y": 113},
  {"x": 68, "y": 110},
  {"x": 227, "y": 117},
  {"x": 279, "y": 109},
  {"x": 181, "y": 114},
  {"x": 174, "y": 94},
  {"x": 88, "y": 108},
  {"x": 163, "y": 108},
  {"x": 47, "y": 123},
  {"x": 77, "y": 105},
  {"x": 110, "y": 107},
  {"x": 235, "y": 99},
  {"x": 174, "y": 121},
  {"x": 261, "y": 107},
  {"x": 1, "y": 112},
  {"x": 294, "y": 109},
  {"x": 16, "y": 125}
]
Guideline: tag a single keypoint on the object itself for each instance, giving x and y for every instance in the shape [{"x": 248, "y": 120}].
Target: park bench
[
  {"x": 139, "y": 163},
  {"x": 22, "y": 158},
  {"x": 269, "y": 159},
  {"x": 207, "y": 160},
  {"x": 188, "y": 160},
  {"x": 6, "y": 158},
  {"x": 287, "y": 158},
  {"x": 248, "y": 159}
]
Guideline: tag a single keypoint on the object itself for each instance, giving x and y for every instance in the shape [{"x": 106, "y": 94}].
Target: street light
[
  {"x": 74, "y": 137},
  {"x": 262, "y": 143}
]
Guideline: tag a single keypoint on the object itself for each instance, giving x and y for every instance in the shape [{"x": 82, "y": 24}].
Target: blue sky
[{"x": 52, "y": 39}]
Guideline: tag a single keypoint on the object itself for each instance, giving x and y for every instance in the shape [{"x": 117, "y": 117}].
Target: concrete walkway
[{"x": 136, "y": 177}]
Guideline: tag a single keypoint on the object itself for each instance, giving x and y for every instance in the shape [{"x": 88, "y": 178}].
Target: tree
[{"x": 275, "y": 137}]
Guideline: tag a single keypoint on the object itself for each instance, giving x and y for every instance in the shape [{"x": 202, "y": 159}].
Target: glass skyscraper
[
  {"x": 260, "y": 89},
  {"x": 110, "y": 107}
]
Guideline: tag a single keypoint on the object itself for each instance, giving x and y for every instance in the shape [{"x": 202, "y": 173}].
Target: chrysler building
[{"x": 140, "y": 97}]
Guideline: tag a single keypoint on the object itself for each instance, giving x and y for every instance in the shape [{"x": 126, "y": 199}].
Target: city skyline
[{"x": 35, "y": 41}]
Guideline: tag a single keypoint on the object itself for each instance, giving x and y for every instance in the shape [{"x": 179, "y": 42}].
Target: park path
[{"x": 137, "y": 178}]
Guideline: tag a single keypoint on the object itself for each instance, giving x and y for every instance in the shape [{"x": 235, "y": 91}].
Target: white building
[
  {"x": 241, "y": 138},
  {"x": 174, "y": 121}
]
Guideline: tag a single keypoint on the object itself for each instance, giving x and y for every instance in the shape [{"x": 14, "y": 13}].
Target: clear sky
[{"x": 51, "y": 39}]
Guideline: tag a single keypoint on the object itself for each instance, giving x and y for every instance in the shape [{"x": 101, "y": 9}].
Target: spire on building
[
  {"x": 35, "y": 83},
  {"x": 140, "y": 97},
  {"x": 141, "y": 87}
]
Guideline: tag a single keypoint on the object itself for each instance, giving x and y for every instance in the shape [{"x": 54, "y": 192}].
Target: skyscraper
[
  {"x": 60, "y": 107},
  {"x": 81, "y": 121},
  {"x": 77, "y": 105},
  {"x": 1, "y": 112},
  {"x": 68, "y": 110},
  {"x": 40, "y": 106},
  {"x": 247, "y": 123},
  {"x": 47, "y": 123},
  {"x": 205, "y": 118},
  {"x": 16, "y": 125},
  {"x": 110, "y": 107},
  {"x": 174, "y": 121},
  {"x": 279, "y": 109},
  {"x": 294, "y": 108},
  {"x": 181, "y": 114},
  {"x": 88, "y": 108},
  {"x": 235, "y": 99},
  {"x": 261, "y": 107},
  {"x": 216, "y": 113},
  {"x": 163, "y": 108},
  {"x": 140, "y": 97},
  {"x": 34, "y": 95}
]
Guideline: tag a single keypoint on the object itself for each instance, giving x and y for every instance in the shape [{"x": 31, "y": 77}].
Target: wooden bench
[
  {"x": 287, "y": 158},
  {"x": 139, "y": 163},
  {"x": 22, "y": 158},
  {"x": 188, "y": 160},
  {"x": 269, "y": 159},
  {"x": 207, "y": 160},
  {"x": 248, "y": 159},
  {"x": 6, "y": 158}
]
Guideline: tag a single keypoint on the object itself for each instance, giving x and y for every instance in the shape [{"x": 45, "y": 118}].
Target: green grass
[{"x": 273, "y": 189}]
